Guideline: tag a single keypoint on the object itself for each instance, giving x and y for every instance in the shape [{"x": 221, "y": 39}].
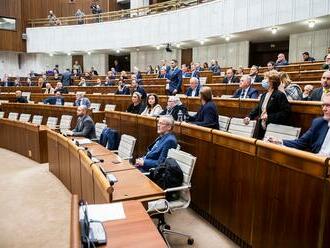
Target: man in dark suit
[
  {"x": 66, "y": 78},
  {"x": 230, "y": 77},
  {"x": 317, "y": 138},
  {"x": 194, "y": 88},
  {"x": 85, "y": 126},
  {"x": 58, "y": 99},
  {"x": 281, "y": 60},
  {"x": 157, "y": 151},
  {"x": 194, "y": 71},
  {"x": 174, "y": 78},
  {"x": 59, "y": 87},
  {"x": 318, "y": 93},
  {"x": 245, "y": 90},
  {"x": 135, "y": 87},
  {"x": 255, "y": 78},
  {"x": 20, "y": 98}
]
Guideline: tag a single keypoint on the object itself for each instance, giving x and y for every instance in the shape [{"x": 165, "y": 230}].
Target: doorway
[
  {"x": 124, "y": 61},
  {"x": 80, "y": 59}
]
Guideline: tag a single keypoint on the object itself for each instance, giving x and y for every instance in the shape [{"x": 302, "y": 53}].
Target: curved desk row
[{"x": 263, "y": 194}]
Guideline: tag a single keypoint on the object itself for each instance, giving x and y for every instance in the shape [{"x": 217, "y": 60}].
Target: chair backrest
[
  {"x": 126, "y": 146},
  {"x": 52, "y": 122},
  {"x": 41, "y": 103},
  {"x": 3, "y": 101},
  {"x": 99, "y": 127},
  {"x": 97, "y": 93},
  {"x": 95, "y": 107},
  {"x": 68, "y": 103},
  {"x": 186, "y": 162},
  {"x": 224, "y": 122},
  {"x": 226, "y": 96},
  {"x": 110, "y": 107},
  {"x": 24, "y": 117},
  {"x": 27, "y": 95},
  {"x": 65, "y": 122},
  {"x": 202, "y": 80},
  {"x": 192, "y": 113},
  {"x": 2, "y": 114},
  {"x": 237, "y": 126},
  {"x": 37, "y": 119},
  {"x": 13, "y": 116},
  {"x": 282, "y": 131}
]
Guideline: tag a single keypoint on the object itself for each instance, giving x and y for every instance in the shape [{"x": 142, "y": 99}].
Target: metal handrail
[{"x": 118, "y": 15}]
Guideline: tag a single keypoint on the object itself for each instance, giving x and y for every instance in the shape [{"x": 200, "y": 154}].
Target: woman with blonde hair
[{"x": 292, "y": 91}]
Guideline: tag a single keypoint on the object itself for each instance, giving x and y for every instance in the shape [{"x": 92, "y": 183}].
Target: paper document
[
  {"x": 104, "y": 212},
  {"x": 84, "y": 141}
]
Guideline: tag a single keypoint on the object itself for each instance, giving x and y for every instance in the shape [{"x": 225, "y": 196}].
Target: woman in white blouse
[{"x": 153, "y": 108}]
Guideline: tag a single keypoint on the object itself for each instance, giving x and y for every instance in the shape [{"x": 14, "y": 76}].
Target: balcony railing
[{"x": 117, "y": 15}]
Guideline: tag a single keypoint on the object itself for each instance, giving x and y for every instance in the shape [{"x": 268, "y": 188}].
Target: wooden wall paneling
[
  {"x": 122, "y": 102},
  {"x": 193, "y": 103},
  {"x": 75, "y": 169},
  {"x": 228, "y": 107},
  {"x": 87, "y": 182},
  {"x": 232, "y": 178},
  {"x": 198, "y": 142},
  {"x": 146, "y": 133},
  {"x": 288, "y": 197},
  {"x": 52, "y": 148},
  {"x": 326, "y": 214},
  {"x": 246, "y": 106},
  {"x": 129, "y": 125},
  {"x": 64, "y": 161},
  {"x": 113, "y": 120}
]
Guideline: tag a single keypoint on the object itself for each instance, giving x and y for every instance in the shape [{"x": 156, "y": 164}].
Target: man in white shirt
[{"x": 317, "y": 138}]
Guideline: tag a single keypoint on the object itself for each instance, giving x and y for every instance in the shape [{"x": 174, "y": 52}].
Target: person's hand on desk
[
  {"x": 69, "y": 133},
  {"x": 273, "y": 140},
  {"x": 139, "y": 162}
]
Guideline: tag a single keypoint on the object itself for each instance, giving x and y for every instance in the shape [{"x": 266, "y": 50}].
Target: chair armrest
[
  {"x": 115, "y": 151},
  {"x": 94, "y": 139},
  {"x": 146, "y": 173},
  {"x": 177, "y": 188}
]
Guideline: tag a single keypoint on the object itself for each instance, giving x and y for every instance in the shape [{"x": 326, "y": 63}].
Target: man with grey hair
[
  {"x": 82, "y": 100},
  {"x": 157, "y": 151},
  {"x": 174, "y": 106},
  {"x": 85, "y": 126},
  {"x": 194, "y": 88},
  {"x": 245, "y": 90}
]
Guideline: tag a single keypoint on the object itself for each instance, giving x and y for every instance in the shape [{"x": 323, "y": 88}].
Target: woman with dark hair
[
  {"x": 273, "y": 106},
  {"x": 207, "y": 115},
  {"x": 205, "y": 66},
  {"x": 136, "y": 107},
  {"x": 153, "y": 108}
]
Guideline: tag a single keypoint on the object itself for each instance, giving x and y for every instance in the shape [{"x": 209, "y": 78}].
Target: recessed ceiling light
[
  {"x": 311, "y": 23},
  {"x": 178, "y": 45},
  {"x": 227, "y": 37},
  {"x": 69, "y": 54},
  {"x": 274, "y": 30},
  {"x": 51, "y": 55},
  {"x": 89, "y": 53},
  {"x": 202, "y": 42},
  {"x": 137, "y": 49},
  {"x": 117, "y": 51},
  {"x": 157, "y": 47}
]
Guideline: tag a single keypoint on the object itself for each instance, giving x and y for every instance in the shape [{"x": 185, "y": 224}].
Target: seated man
[
  {"x": 215, "y": 68},
  {"x": 281, "y": 60},
  {"x": 59, "y": 87},
  {"x": 185, "y": 71},
  {"x": 307, "y": 58},
  {"x": 245, "y": 90},
  {"x": 230, "y": 78},
  {"x": 85, "y": 126},
  {"x": 318, "y": 93},
  {"x": 20, "y": 98},
  {"x": 326, "y": 65},
  {"x": 135, "y": 87},
  {"x": 81, "y": 100},
  {"x": 162, "y": 73},
  {"x": 174, "y": 106},
  {"x": 58, "y": 99},
  {"x": 49, "y": 89},
  {"x": 255, "y": 78},
  {"x": 317, "y": 138},
  {"x": 308, "y": 89},
  {"x": 157, "y": 151},
  {"x": 194, "y": 88}
]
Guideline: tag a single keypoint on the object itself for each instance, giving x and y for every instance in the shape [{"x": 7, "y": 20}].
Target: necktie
[{"x": 242, "y": 94}]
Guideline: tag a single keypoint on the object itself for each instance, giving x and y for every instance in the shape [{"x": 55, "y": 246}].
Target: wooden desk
[
  {"x": 135, "y": 231},
  {"x": 112, "y": 162}
]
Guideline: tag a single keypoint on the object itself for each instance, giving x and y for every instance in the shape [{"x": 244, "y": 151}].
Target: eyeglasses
[
  {"x": 162, "y": 123},
  {"x": 325, "y": 105},
  {"x": 326, "y": 78}
]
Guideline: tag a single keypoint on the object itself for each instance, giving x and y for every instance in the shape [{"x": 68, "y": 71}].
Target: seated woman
[
  {"x": 273, "y": 106},
  {"x": 207, "y": 115},
  {"x": 136, "y": 107},
  {"x": 292, "y": 91},
  {"x": 153, "y": 108}
]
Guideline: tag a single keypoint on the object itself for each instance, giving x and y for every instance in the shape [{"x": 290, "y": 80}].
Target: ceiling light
[
  {"x": 227, "y": 37},
  {"x": 51, "y": 55},
  {"x": 117, "y": 51},
  {"x": 311, "y": 23},
  {"x": 178, "y": 45},
  {"x": 157, "y": 47},
  {"x": 274, "y": 30},
  {"x": 89, "y": 53},
  {"x": 137, "y": 49},
  {"x": 202, "y": 42},
  {"x": 69, "y": 54}
]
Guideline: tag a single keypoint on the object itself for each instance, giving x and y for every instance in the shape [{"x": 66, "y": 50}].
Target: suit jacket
[
  {"x": 52, "y": 100},
  {"x": 233, "y": 80},
  {"x": 157, "y": 151},
  {"x": 138, "y": 109},
  {"x": 62, "y": 90},
  {"x": 313, "y": 139},
  {"x": 283, "y": 62},
  {"x": 215, "y": 69},
  {"x": 278, "y": 111},
  {"x": 141, "y": 91},
  {"x": 7, "y": 84},
  {"x": 258, "y": 79},
  {"x": 175, "y": 76},
  {"x": 83, "y": 101},
  {"x": 190, "y": 90},
  {"x": 66, "y": 78},
  {"x": 123, "y": 91},
  {"x": 252, "y": 93},
  {"x": 207, "y": 116},
  {"x": 21, "y": 99},
  {"x": 316, "y": 94},
  {"x": 195, "y": 74},
  {"x": 85, "y": 127}
]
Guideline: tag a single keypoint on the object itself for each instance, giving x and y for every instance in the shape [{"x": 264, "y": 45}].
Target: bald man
[
  {"x": 85, "y": 126},
  {"x": 318, "y": 93}
]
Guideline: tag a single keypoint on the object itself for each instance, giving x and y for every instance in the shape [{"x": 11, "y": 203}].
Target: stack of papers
[
  {"x": 104, "y": 212},
  {"x": 84, "y": 141}
]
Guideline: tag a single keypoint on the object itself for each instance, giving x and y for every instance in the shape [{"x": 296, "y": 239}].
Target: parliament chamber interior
[{"x": 165, "y": 123}]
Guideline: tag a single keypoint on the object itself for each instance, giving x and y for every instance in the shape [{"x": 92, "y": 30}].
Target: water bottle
[{"x": 180, "y": 116}]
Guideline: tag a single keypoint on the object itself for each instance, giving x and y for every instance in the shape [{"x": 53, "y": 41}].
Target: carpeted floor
[{"x": 35, "y": 210}]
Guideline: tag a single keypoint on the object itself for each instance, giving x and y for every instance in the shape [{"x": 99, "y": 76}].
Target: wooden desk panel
[
  {"x": 113, "y": 120},
  {"x": 53, "y": 153},
  {"x": 133, "y": 185},
  {"x": 64, "y": 161},
  {"x": 228, "y": 107},
  {"x": 112, "y": 162},
  {"x": 146, "y": 133},
  {"x": 87, "y": 181},
  {"x": 75, "y": 171},
  {"x": 129, "y": 125}
]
